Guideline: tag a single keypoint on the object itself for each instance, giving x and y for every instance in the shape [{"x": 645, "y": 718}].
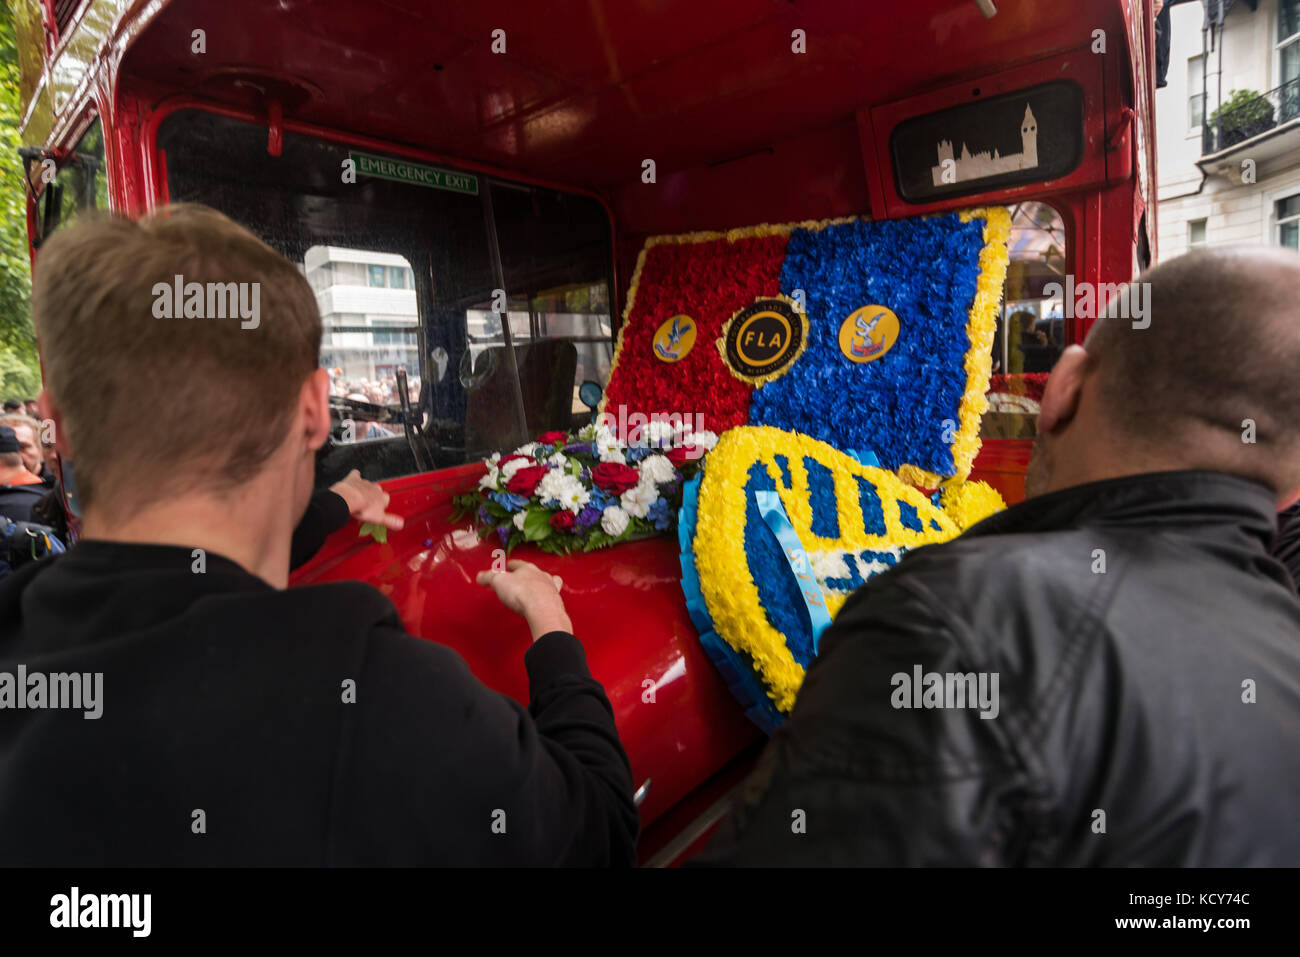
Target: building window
[
  {"x": 377, "y": 276},
  {"x": 1288, "y": 56},
  {"x": 1288, "y": 222},
  {"x": 1196, "y": 232},
  {"x": 1196, "y": 92},
  {"x": 397, "y": 277}
]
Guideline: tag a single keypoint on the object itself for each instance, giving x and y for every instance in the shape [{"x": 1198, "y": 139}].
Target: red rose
[
  {"x": 524, "y": 482},
  {"x": 562, "y": 520},
  {"x": 553, "y": 438},
  {"x": 682, "y": 454},
  {"x": 614, "y": 478}
]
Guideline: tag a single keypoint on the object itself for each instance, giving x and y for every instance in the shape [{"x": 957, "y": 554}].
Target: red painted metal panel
[
  {"x": 583, "y": 91},
  {"x": 1080, "y": 66},
  {"x": 1002, "y": 464},
  {"x": 677, "y": 719}
]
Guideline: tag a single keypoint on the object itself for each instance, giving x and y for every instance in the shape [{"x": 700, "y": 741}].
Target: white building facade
[
  {"x": 370, "y": 318},
  {"x": 1228, "y": 128}
]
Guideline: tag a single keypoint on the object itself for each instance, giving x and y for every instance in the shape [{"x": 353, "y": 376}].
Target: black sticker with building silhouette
[{"x": 1028, "y": 136}]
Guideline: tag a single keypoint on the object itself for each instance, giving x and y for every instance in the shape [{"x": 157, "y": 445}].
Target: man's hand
[
  {"x": 528, "y": 591},
  {"x": 366, "y": 501}
]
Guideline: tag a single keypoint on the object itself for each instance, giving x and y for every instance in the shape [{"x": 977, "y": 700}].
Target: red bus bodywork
[{"x": 742, "y": 129}]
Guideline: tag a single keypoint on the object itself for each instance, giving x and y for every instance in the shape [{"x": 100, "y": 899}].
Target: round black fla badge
[{"x": 761, "y": 341}]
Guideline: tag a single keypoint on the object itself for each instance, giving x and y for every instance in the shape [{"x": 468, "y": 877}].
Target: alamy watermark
[
  {"x": 1103, "y": 300},
  {"x": 660, "y": 430},
  {"x": 179, "y": 299},
  {"x": 933, "y": 689},
  {"x": 22, "y": 690},
  {"x": 75, "y": 909}
]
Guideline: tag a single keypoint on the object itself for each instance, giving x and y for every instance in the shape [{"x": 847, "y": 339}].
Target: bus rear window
[{"x": 1031, "y": 333}]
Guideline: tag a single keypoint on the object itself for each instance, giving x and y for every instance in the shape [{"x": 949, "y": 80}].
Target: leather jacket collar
[{"x": 1213, "y": 504}]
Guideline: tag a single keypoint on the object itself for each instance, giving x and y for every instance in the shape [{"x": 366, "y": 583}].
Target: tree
[{"x": 20, "y": 375}]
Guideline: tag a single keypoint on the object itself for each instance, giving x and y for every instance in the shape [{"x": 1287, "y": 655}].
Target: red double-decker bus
[{"x": 531, "y": 148}]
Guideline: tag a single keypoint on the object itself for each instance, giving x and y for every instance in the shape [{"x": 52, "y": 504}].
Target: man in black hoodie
[{"x": 165, "y": 701}]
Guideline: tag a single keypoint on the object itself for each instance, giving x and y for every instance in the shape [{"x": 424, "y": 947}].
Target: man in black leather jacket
[{"x": 1133, "y": 651}]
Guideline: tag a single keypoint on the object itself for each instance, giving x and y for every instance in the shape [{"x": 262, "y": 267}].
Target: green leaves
[
  {"x": 537, "y": 525},
  {"x": 376, "y": 531},
  {"x": 463, "y": 506},
  {"x": 597, "y": 539},
  {"x": 20, "y": 375}
]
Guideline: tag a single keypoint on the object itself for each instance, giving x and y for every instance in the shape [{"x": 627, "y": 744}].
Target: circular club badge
[
  {"x": 761, "y": 341},
  {"x": 674, "y": 339},
  {"x": 868, "y": 333}
]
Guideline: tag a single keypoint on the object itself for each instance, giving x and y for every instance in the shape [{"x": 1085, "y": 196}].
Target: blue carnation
[
  {"x": 927, "y": 272},
  {"x": 636, "y": 454},
  {"x": 661, "y": 514},
  {"x": 509, "y": 501}
]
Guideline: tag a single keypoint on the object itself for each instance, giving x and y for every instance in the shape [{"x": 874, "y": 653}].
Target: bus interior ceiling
[{"x": 741, "y": 128}]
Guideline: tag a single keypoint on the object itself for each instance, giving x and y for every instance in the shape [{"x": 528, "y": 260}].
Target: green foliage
[
  {"x": 19, "y": 369},
  {"x": 1242, "y": 108},
  {"x": 463, "y": 506},
  {"x": 537, "y": 525},
  {"x": 376, "y": 531}
]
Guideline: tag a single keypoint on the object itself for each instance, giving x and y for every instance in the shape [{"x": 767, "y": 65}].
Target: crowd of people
[
  {"x": 32, "y": 517},
  {"x": 378, "y": 391},
  {"x": 1146, "y": 634}
]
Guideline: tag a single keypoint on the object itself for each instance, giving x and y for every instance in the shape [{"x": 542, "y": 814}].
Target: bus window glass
[
  {"x": 554, "y": 259},
  {"x": 367, "y": 335},
  {"x": 407, "y": 272},
  {"x": 1031, "y": 331},
  {"x": 80, "y": 183}
]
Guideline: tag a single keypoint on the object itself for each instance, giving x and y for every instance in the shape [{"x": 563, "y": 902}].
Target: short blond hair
[
  {"x": 15, "y": 419},
  {"x": 215, "y": 398}
]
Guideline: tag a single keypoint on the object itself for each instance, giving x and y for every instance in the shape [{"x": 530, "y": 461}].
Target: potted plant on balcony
[{"x": 1244, "y": 114}]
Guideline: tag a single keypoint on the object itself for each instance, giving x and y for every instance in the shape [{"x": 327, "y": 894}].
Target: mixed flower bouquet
[{"x": 582, "y": 491}]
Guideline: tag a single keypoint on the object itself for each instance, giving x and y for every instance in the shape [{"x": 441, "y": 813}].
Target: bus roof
[{"x": 584, "y": 91}]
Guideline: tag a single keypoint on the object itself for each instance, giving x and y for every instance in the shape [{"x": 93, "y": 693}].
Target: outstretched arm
[{"x": 329, "y": 510}]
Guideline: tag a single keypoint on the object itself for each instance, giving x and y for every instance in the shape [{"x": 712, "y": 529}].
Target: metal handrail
[{"x": 1250, "y": 117}]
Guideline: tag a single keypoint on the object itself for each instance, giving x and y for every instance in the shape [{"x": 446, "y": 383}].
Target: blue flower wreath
[{"x": 927, "y": 272}]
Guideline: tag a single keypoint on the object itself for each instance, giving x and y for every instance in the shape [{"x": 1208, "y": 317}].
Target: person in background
[
  {"x": 28, "y": 431},
  {"x": 244, "y": 723},
  {"x": 1019, "y": 335},
  {"x": 31, "y": 408},
  {"x": 1105, "y": 674},
  {"x": 13, "y": 405},
  {"x": 20, "y": 490}
]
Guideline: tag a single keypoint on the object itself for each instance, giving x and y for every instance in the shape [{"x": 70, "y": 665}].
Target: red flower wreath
[{"x": 709, "y": 281}]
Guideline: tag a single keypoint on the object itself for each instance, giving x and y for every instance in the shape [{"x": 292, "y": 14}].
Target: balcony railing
[{"x": 1242, "y": 118}]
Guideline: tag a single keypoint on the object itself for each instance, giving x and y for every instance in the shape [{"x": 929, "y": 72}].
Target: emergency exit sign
[{"x": 416, "y": 174}]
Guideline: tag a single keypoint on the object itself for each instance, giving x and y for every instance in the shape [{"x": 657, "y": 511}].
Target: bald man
[{"x": 1115, "y": 661}]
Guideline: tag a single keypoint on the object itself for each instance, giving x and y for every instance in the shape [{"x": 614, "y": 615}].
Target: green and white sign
[{"x": 400, "y": 171}]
